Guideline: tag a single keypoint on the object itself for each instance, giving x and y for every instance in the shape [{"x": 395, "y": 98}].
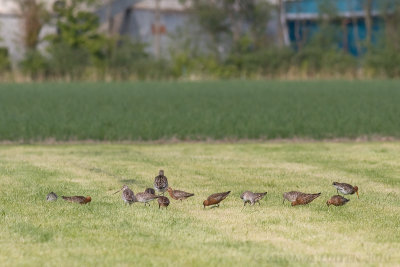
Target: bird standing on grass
[
  {"x": 51, "y": 196},
  {"x": 163, "y": 202},
  {"x": 251, "y": 197},
  {"x": 127, "y": 195},
  {"x": 178, "y": 194},
  {"x": 304, "y": 199},
  {"x": 215, "y": 199},
  {"x": 337, "y": 201},
  {"x": 345, "y": 189},
  {"x": 161, "y": 182},
  {"x": 78, "y": 199}
]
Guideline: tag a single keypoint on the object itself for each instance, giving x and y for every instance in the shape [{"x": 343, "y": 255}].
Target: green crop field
[
  {"x": 108, "y": 233},
  {"x": 199, "y": 110}
]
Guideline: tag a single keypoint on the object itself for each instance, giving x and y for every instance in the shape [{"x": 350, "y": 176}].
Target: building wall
[{"x": 302, "y": 18}]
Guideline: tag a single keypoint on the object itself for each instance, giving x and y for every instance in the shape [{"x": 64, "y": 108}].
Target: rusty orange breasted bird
[{"x": 215, "y": 199}]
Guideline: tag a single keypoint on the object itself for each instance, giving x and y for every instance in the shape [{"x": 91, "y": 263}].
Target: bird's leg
[{"x": 283, "y": 201}]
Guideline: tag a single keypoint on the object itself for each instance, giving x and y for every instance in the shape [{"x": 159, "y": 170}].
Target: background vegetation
[
  {"x": 199, "y": 110},
  {"x": 226, "y": 49},
  {"x": 106, "y": 232}
]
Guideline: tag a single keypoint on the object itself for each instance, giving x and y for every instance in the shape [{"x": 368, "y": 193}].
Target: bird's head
[
  {"x": 328, "y": 202},
  {"x": 161, "y": 172},
  {"x": 169, "y": 189},
  {"x": 356, "y": 189},
  {"x": 205, "y": 203},
  {"x": 124, "y": 187},
  {"x": 88, "y": 199}
]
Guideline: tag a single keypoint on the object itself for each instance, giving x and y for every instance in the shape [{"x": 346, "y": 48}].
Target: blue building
[{"x": 303, "y": 18}]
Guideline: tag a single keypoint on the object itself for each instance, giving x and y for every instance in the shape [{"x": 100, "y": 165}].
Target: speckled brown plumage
[
  {"x": 178, "y": 194},
  {"x": 337, "y": 201},
  {"x": 303, "y": 199},
  {"x": 161, "y": 182},
  {"x": 345, "y": 189},
  {"x": 215, "y": 199},
  {"x": 127, "y": 195},
  {"x": 163, "y": 202},
  {"x": 252, "y": 198},
  {"x": 150, "y": 191},
  {"x": 291, "y": 196},
  {"x": 78, "y": 199}
]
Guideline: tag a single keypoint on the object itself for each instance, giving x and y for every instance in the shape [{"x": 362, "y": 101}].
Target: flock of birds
[{"x": 161, "y": 186}]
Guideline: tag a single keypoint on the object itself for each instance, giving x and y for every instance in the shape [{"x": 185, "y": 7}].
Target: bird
[
  {"x": 251, "y": 197},
  {"x": 337, "y": 201},
  {"x": 150, "y": 190},
  {"x": 303, "y": 199},
  {"x": 127, "y": 195},
  {"x": 291, "y": 196},
  {"x": 78, "y": 199},
  {"x": 161, "y": 182},
  {"x": 215, "y": 199},
  {"x": 51, "y": 196},
  {"x": 345, "y": 189},
  {"x": 178, "y": 194},
  {"x": 145, "y": 198},
  {"x": 163, "y": 202}
]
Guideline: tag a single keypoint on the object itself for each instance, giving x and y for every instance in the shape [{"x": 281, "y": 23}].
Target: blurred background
[{"x": 105, "y": 40}]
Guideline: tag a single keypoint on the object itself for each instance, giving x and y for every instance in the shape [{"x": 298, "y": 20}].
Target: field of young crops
[{"x": 199, "y": 110}]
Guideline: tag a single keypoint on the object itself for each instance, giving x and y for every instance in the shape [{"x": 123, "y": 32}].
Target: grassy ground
[
  {"x": 216, "y": 110},
  {"x": 35, "y": 232}
]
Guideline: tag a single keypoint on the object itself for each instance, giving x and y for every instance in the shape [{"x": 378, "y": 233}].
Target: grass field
[
  {"x": 35, "y": 232},
  {"x": 199, "y": 110}
]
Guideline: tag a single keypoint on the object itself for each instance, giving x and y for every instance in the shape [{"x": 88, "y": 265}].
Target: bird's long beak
[
  {"x": 357, "y": 194},
  {"x": 117, "y": 191}
]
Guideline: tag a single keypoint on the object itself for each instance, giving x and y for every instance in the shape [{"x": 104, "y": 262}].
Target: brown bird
[
  {"x": 291, "y": 196},
  {"x": 127, "y": 195},
  {"x": 345, "y": 189},
  {"x": 145, "y": 198},
  {"x": 150, "y": 191},
  {"x": 251, "y": 197},
  {"x": 163, "y": 202},
  {"x": 161, "y": 182},
  {"x": 78, "y": 199},
  {"x": 178, "y": 194},
  {"x": 304, "y": 199},
  {"x": 215, "y": 199},
  {"x": 337, "y": 201}
]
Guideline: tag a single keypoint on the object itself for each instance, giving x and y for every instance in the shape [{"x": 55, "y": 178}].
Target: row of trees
[{"x": 230, "y": 40}]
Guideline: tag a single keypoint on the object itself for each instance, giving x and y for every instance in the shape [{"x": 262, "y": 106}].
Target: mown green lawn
[
  {"x": 106, "y": 232},
  {"x": 199, "y": 110}
]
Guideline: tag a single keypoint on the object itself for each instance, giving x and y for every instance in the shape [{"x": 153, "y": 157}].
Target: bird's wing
[{"x": 180, "y": 193}]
